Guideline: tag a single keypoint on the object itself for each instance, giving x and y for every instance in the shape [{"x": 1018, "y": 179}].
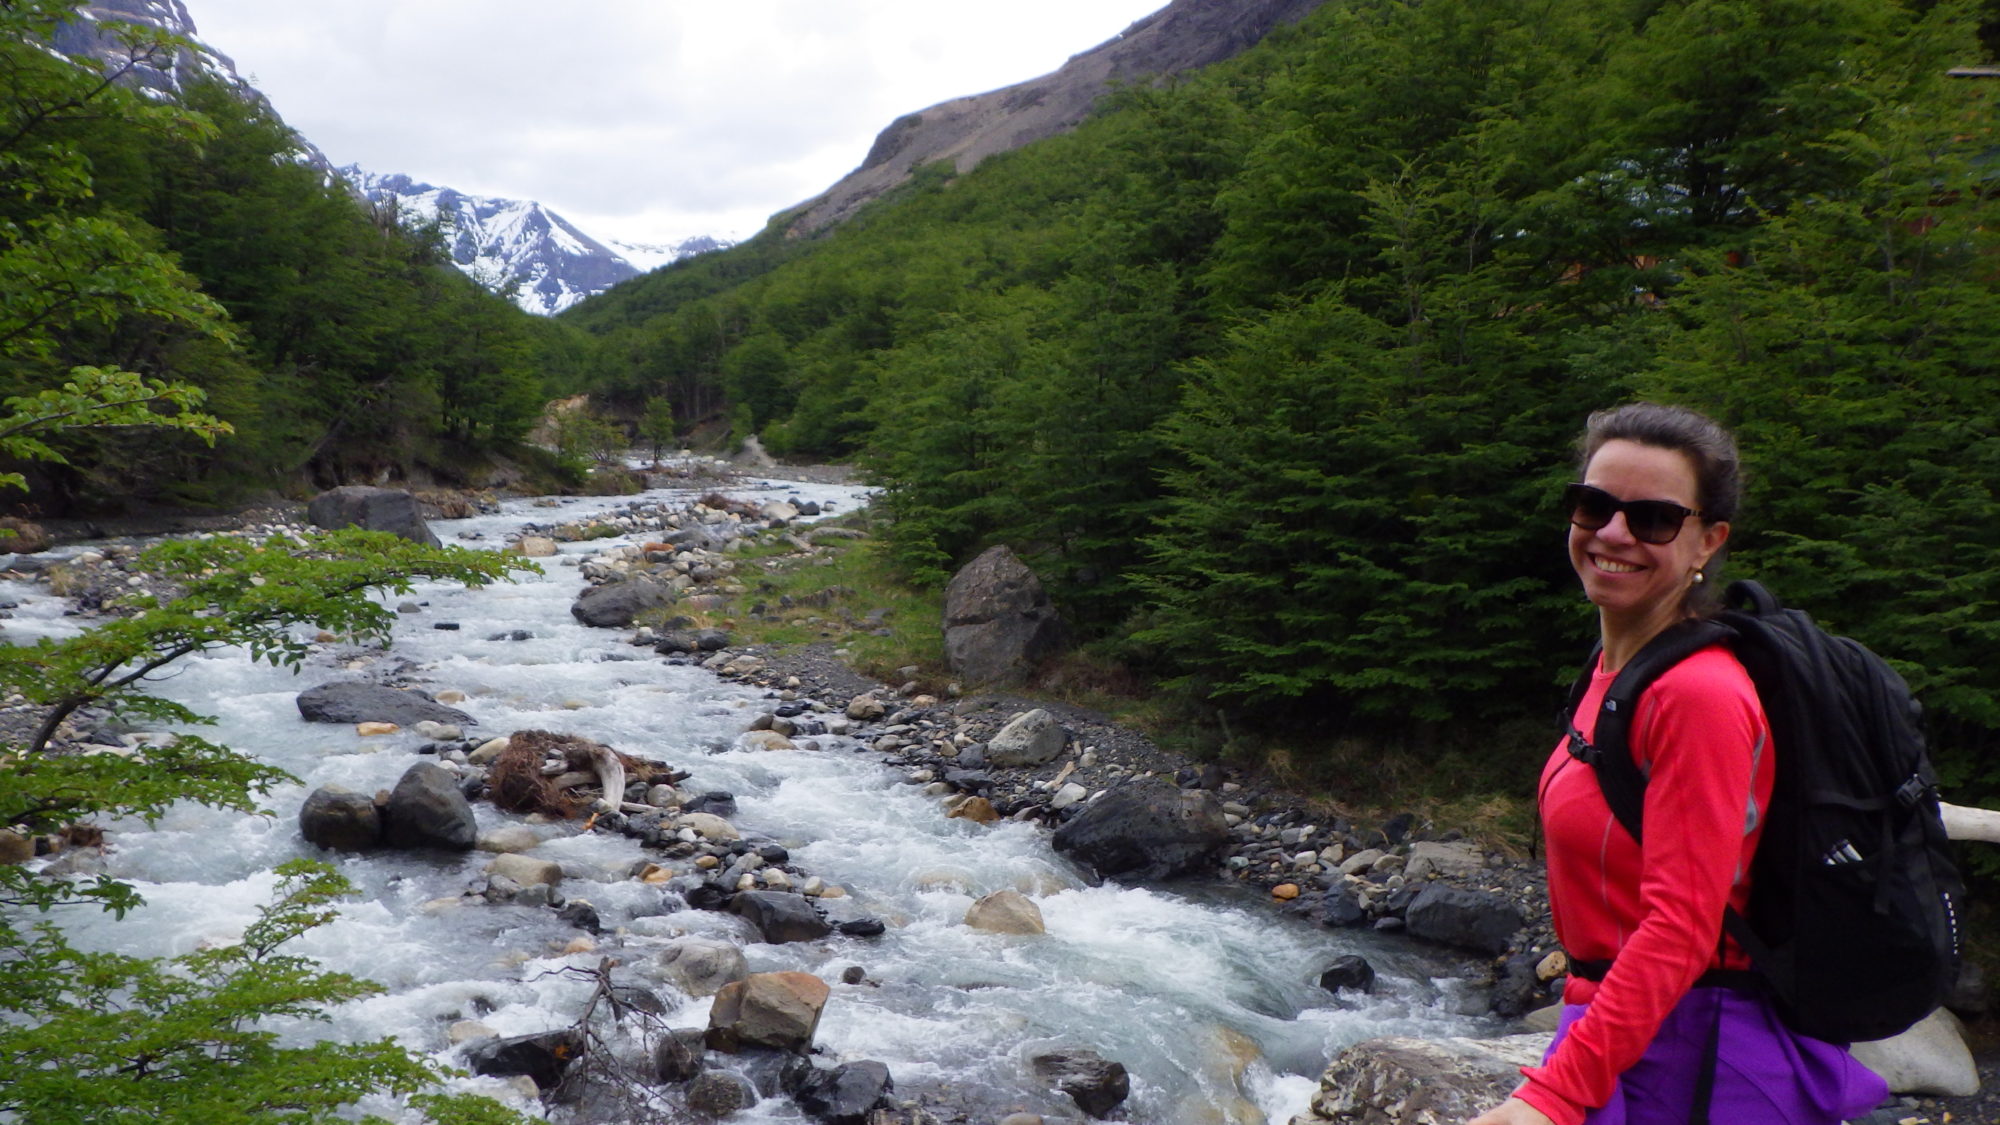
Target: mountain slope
[{"x": 1185, "y": 35}]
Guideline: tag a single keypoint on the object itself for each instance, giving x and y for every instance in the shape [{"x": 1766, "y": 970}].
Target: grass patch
[{"x": 843, "y": 592}]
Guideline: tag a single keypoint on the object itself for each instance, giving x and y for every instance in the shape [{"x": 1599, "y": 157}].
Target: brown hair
[{"x": 1711, "y": 449}]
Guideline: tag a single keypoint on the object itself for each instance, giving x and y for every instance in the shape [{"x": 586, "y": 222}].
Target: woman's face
[{"x": 1633, "y": 582}]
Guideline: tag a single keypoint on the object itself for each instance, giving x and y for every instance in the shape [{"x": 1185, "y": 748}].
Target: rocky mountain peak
[{"x": 1184, "y": 35}]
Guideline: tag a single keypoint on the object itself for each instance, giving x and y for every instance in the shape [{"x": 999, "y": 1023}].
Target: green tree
[{"x": 657, "y": 425}]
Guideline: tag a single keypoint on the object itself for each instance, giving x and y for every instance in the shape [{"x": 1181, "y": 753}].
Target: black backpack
[{"x": 1853, "y": 917}]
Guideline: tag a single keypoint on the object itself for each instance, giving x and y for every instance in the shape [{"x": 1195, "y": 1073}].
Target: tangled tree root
[{"x": 555, "y": 774}]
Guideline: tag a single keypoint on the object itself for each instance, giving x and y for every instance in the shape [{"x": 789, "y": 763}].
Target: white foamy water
[{"x": 1207, "y": 996}]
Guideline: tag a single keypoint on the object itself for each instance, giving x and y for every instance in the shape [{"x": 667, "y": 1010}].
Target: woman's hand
[{"x": 1513, "y": 1111}]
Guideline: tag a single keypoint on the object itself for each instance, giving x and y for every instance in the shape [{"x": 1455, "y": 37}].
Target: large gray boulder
[
  {"x": 376, "y": 509},
  {"x": 1028, "y": 739},
  {"x": 1400, "y": 1081},
  {"x": 615, "y": 605},
  {"x": 339, "y": 819},
  {"x": 780, "y": 917},
  {"x": 997, "y": 620},
  {"x": 1144, "y": 830},
  {"x": 846, "y": 1094},
  {"x": 1477, "y": 920},
  {"x": 778, "y": 1010},
  {"x": 426, "y": 810},
  {"x": 350, "y": 702},
  {"x": 1930, "y": 1058}
]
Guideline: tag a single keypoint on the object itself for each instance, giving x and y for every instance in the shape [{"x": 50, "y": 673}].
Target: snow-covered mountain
[
  {"x": 502, "y": 243},
  {"x": 518, "y": 242},
  {"x": 649, "y": 256}
]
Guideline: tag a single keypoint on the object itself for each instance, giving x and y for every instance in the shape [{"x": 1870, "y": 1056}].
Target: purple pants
[{"x": 1765, "y": 1074}]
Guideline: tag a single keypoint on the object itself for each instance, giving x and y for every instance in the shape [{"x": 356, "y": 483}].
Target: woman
[{"x": 1648, "y": 521}]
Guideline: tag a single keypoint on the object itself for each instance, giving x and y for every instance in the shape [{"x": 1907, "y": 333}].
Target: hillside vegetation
[{"x": 1273, "y": 372}]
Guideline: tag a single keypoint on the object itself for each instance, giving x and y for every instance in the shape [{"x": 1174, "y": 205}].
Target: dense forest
[
  {"x": 1273, "y": 372},
  {"x": 339, "y": 343}
]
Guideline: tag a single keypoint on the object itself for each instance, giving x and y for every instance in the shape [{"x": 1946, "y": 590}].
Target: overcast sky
[{"x": 644, "y": 120}]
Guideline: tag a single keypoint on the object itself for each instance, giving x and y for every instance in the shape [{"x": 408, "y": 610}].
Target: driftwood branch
[
  {"x": 611, "y": 773},
  {"x": 1964, "y": 823}
]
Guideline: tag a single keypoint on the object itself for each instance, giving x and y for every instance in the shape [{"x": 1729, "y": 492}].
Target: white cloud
[{"x": 638, "y": 119}]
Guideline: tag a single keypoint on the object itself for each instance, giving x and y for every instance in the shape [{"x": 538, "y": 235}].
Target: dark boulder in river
[
  {"x": 426, "y": 810},
  {"x": 1146, "y": 829},
  {"x": 349, "y": 702},
  {"x": 375, "y": 509},
  {"x": 341, "y": 820},
  {"x": 616, "y": 604}
]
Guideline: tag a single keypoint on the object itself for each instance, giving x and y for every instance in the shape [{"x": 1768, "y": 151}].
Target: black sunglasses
[{"x": 1650, "y": 521}]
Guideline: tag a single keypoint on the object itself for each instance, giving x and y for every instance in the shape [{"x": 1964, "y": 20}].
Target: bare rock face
[
  {"x": 997, "y": 620},
  {"x": 1399, "y": 1081},
  {"x": 1185, "y": 35}
]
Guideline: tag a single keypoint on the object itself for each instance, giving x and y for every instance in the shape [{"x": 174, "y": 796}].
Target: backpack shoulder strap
[{"x": 1624, "y": 786}]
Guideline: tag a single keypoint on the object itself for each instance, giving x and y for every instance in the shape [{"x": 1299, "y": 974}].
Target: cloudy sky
[{"x": 643, "y": 120}]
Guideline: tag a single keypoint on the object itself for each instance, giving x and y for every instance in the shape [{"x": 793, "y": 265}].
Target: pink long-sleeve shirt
[{"x": 1701, "y": 739}]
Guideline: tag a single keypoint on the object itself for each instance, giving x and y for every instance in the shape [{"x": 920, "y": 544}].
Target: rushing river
[{"x": 1207, "y": 996}]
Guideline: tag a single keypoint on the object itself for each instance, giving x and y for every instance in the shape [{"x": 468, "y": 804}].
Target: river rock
[
  {"x": 376, "y": 509},
  {"x": 1451, "y": 860},
  {"x": 846, "y": 1094},
  {"x": 542, "y": 1056},
  {"x": 1402, "y": 1081},
  {"x": 1006, "y": 912},
  {"x": 979, "y": 810},
  {"x": 509, "y": 838},
  {"x": 1096, "y": 1084},
  {"x": 1146, "y": 829},
  {"x": 1930, "y": 1058},
  {"x": 426, "y": 810},
  {"x": 998, "y": 621},
  {"x": 1350, "y": 971},
  {"x": 778, "y": 1010},
  {"x": 709, "y": 826},
  {"x": 767, "y": 740},
  {"x": 15, "y": 847},
  {"x": 1028, "y": 739},
  {"x": 718, "y": 1093},
  {"x": 1342, "y": 907},
  {"x": 350, "y": 701},
  {"x": 715, "y": 803},
  {"x": 701, "y": 966},
  {"x": 535, "y": 546},
  {"x": 525, "y": 870},
  {"x": 677, "y": 1056},
  {"x": 1477, "y": 920},
  {"x": 780, "y": 917},
  {"x": 614, "y": 605},
  {"x": 340, "y": 819}
]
